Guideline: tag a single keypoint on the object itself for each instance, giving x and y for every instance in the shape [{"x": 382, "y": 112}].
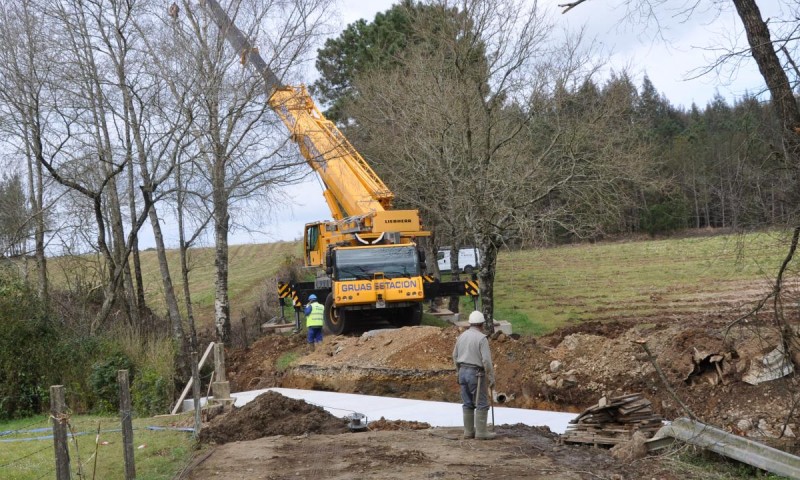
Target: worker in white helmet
[{"x": 473, "y": 362}]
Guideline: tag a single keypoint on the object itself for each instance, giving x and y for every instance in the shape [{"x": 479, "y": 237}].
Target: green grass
[
  {"x": 286, "y": 360},
  {"x": 157, "y": 454},
  {"x": 250, "y": 268},
  {"x": 541, "y": 290},
  {"x": 692, "y": 462}
]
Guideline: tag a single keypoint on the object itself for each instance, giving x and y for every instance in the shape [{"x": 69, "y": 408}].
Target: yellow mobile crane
[{"x": 372, "y": 265}]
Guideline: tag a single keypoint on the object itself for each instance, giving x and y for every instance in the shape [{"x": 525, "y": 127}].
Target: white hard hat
[{"x": 476, "y": 318}]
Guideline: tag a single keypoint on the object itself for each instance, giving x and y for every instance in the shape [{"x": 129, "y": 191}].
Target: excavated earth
[{"x": 702, "y": 358}]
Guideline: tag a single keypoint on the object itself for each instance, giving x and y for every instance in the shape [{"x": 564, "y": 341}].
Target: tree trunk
[
  {"x": 36, "y": 194},
  {"x": 222, "y": 307},
  {"x": 455, "y": 272},
  {"x": 777, "y": 81},
  {"x": 119, "y": 249},
  {"x": 169, "y": 289},
  {"x": 183, "y": 251},
  {"x": 486, "y": 273},
  {"x": 137, "y": 264}
]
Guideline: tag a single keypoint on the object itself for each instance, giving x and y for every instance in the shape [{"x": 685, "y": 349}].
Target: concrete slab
[
  {"x": 499, "y": 326},
  {"x": 437, "y": 414}
]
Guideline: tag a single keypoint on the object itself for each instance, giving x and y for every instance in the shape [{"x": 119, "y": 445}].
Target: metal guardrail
[{"x": 724, "y": 443}]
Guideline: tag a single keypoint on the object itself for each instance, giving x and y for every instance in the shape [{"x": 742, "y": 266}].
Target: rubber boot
[
  {"x": 469, "y": 423},
  {"x": 481, "y": 433}
]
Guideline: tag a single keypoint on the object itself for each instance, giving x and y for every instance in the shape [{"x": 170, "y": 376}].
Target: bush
[
  {"x": 103, "y": 380},
  {"x": 151, "y": 392},
  {"x": 26, "y": 339}
]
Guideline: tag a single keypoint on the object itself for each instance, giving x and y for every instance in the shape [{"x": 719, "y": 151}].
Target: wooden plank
[
  {"x": 189, "y": 383},
  {"x": 276, "y": 326}
]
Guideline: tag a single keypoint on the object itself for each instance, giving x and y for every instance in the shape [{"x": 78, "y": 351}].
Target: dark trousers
[{"x": 468, "y": 379}]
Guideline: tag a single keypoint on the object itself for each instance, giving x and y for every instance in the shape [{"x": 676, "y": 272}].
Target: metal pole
[
  {"x": 196, "y": 394},
  {"x": 491, "y": 399}
]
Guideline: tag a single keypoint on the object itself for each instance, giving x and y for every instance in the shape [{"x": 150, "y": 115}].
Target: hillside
[{"x": 538, "y": 290}]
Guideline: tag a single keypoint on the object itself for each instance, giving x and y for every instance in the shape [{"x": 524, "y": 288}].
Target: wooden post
[
  {"x": 127, "y": 424},
  {"x": 244, "y": 332},
  {"x": 196, "y": 394},
  {"x": 58, "y": 409},
  {"x": 190, "y": 382}
]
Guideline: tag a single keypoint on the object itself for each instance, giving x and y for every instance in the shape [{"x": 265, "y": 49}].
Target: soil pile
[
  {"x": 384, "y": 424},
  {"x": 271, "y": 414}
]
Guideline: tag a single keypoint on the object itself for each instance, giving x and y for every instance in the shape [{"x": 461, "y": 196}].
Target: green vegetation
[
  {"x": 538, "y": 290},
  {"x": 286, "y": 360},
  {"x": 158, "y": 454},
  {"x": 692, "y": 462},
  {"x": 38, "y": 349},
  {"x": 541, "y": 290},
  {"x": 251, "y": 268}
]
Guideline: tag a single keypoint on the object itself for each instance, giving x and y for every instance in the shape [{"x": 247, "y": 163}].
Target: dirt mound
[
  {"x": 271, "y": 414},
  {"x": 259, "y": 366},
  {"x": 384, "y": 424}
]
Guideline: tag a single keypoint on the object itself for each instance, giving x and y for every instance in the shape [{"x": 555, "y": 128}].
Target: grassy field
[
  {"x": 250, "y": 267},
  {"x": 541, "y": 290},
  {"x": 26, "y": 451}
]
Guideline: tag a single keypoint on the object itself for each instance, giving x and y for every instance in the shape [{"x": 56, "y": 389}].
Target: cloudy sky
[{"x": 670, "y": 55}]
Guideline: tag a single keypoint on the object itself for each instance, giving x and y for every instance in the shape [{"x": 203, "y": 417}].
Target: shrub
[
  {"x": 26, "y": 339},
  {"x": 103, "y": 380},
  {"x": 151, "y": 392}
]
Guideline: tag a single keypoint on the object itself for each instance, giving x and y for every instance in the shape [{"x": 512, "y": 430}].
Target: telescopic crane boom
[{"x": 372, "y": 265}]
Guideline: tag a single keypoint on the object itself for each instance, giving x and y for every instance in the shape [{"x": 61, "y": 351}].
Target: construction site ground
[{"x": 703, "y": 354}]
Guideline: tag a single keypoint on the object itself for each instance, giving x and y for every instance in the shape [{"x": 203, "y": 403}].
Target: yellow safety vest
[{"x": 314, "y": 319}]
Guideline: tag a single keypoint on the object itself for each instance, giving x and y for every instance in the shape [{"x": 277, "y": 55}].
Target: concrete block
[
  {"x": 221, "y": 390},
  {"x": 502, "y": 326},
  {"x": 188, "y": 405}
]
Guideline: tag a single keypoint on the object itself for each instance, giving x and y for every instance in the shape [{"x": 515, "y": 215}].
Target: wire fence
[{"x": 94, "y": 444}]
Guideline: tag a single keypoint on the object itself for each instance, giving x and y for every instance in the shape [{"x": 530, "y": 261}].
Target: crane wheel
[
  {"x": 416, "y": 315},
  {"x": 334, "y": 322}
]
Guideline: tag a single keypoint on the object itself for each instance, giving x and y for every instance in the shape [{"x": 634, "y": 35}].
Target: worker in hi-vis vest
[{"x": 314, "y": 314}]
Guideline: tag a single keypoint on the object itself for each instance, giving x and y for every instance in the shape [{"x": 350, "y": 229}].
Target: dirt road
[{"x": 519, "y": 452}]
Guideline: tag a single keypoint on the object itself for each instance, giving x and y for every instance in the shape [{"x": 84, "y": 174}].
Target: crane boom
[
  {"x": 373, "y": 267},
  {"x": 352, "y": 188}
]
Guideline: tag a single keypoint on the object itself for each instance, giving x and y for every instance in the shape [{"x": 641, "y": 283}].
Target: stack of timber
[{"x": 613, "y": 421}]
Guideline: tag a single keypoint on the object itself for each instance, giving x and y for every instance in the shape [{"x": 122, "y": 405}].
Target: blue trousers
[
  {"x": 314, "y": 334},
  {"x": 468, "y": 379}
]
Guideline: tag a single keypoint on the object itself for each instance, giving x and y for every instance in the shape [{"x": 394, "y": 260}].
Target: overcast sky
[{"x": 670, "y": 59}]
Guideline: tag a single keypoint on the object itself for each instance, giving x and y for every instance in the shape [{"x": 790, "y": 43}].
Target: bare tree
[
  {"x": 24, "y": 78},
  {"x": 103, "y": 96},
  {"x": 237, "y": 149},
  {"x": 477, "y": 132}
]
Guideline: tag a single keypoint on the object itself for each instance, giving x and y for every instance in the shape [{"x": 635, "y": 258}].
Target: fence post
[
  {"x": 127, "y": 424},
  {"x": 196, "y": 394},
  {"x": 244, "y": 331},
  {"x": 58, "y": 409}
]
